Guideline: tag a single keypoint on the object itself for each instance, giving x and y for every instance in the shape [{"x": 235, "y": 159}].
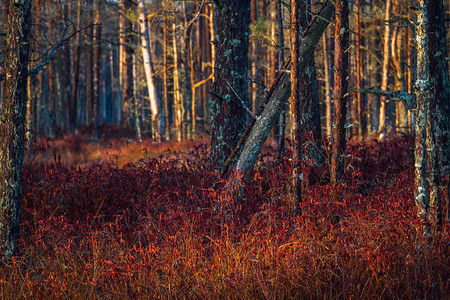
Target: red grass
[{"x": 155, "y": 229}]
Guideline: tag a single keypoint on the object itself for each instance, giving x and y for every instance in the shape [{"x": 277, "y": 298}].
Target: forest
[{"x": 229, "y": 149}]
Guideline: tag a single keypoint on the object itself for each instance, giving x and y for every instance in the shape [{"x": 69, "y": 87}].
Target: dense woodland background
[
  {"x": 231, "y": 149},
  {"x": 97, "y": 76}
]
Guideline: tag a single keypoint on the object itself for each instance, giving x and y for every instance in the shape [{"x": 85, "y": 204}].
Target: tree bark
[
  {"x": 439, "y": 76},
  {"x": 278, "y": 99},
  {"x": 178, "y": 115},
  {"x": 341, "y": 33},
  {"x": 423, "y": 99},
  {"x": 385, "y": 79},
  {"x": 12, "y": 129},
  {"x": 229, "y": 104},
  {"x": 76, "y": 74},
  {"x": 97, "y": 67},
  {"x": 297, "y": 12},
  {"x": 155, "y": 102}
]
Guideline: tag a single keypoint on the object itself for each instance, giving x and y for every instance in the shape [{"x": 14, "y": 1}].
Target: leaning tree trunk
[
  {"x": 12, "y": 120},
  {"x": 278, "y": 99},
  {"x": 155, "y": 103},
  {"x": 229, "y": 102},
  {"x": 341, "y": 45}
]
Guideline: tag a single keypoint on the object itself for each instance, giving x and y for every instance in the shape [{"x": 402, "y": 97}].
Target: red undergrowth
[{"x": 155, "y": 228}]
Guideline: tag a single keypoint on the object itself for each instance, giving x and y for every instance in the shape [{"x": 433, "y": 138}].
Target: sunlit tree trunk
[
  {"x": 362, "y": 124},
  {"x": 127, "y": 58},
  {"x": 229, "y": 102},
  {"x": 385, "y": 72},
  {"x": 12, "y": 129},
  {"x": 341, "y": 34},
  {"x": 155, "y": 103},
  {"x": 187, "y": 95},
  {"x": 178, "y": 115},
  {"x": 328, "y": 95}
]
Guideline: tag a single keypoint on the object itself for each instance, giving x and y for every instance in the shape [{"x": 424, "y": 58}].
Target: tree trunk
[
  {"x": 127, "y": 58},
  {"x": 176, "y": 88},
  {"x": 439, "y": 75},
  {"x": 155, "y": 103},
  {"x": 229, "y": 102},
  {"x": 423, "y": 99},
  {"x": 278, "y": 99},
  {"x": 341, "y": 45},
  {"x": 361, "y": 111},
  {"x": 297, "y": 12},
  {"x": 165, "y": 76},
  {"x": 328, "y": 97},
  {"x": 385, "y": 78},
  {"x": 12, "y": 131},
  {"x": 76, "y": 74},
  {"x": 96, "y": 68},
  {"x": 187, "y": 96}
]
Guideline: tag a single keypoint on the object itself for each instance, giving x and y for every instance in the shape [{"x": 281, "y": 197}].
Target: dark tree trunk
[
  {"x": 96, "y": 68},
  {"x": 309, "y": 100},
  {"x": 296, "y": 16},
  {"x": 67, "y": 85},
  {"x": 439, "y": 76},
  {"x": 12, "y": 129},
  {"x": 76, "y": 74},
  {"x": 229, "y": 100},
  {"x": 341, "y": 45}
]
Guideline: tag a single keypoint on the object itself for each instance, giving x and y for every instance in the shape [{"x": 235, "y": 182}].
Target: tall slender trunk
[
  {"x": 328, "y": 96},
  {"x": 280, "y": 42},
  {"x": 176, "y": 88},
  {"x": 67, "y": 84},
  {"x": 423, "y": 100},
  {"x": 155, "y": 102},
  {"x": 361, "y": 111},
  {"x": 385, "y": 72},
  {"x": 165, "y": 75},
  {"x": 76, "y": 73},
  {"x": 341, "y": 34},
  {"x": 187, "y": 95},
  {"x": 97, "y": 67},
  {"x": 297, "y": 175},
  {"x": 12, "y": 131}
]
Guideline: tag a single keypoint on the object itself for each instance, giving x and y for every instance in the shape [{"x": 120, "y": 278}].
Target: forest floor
[{"x": 120, "y": 219}]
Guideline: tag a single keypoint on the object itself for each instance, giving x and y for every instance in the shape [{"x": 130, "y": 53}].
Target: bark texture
[
  {"x": 341, "y": 34},
  {"x": 12, "y": 124},
  {"x": 296, "y": 15},
  {"x": 229, "y": 102},
  {"x": 439, "y": 76}
]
